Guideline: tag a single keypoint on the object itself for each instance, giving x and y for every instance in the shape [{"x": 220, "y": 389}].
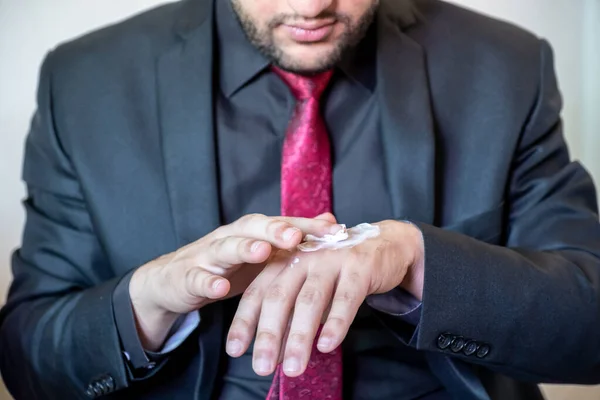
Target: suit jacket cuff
[
  {"x": 449, "y": 308},
  {"x": 126, "y": 328},
  {"x": 143, "y": 364}
]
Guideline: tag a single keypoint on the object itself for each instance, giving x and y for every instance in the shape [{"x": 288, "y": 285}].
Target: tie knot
[{"x": 305, "y": 87}]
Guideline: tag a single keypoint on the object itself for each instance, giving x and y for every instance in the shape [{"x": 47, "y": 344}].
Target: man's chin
[
  {"x": 305, "y": 69},
  {"x": 308, "y": 60}
]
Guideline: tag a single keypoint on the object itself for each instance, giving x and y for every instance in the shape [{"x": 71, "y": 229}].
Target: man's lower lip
[{"x": 309, "y": 35}]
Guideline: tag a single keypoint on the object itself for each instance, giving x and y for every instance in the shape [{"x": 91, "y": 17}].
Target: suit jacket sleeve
[
  {"x": 529, "y": 309},
  {"x": 58, "y": 337},
  {"x": 142, "y": 363}
]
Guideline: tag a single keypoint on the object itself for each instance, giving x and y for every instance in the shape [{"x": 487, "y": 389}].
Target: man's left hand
[{"x": 296, "y": 291}]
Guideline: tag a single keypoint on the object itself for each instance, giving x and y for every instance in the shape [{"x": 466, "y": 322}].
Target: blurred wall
[
  {"x": 573, "y": 29},
  {"x": 28, "y": 28}
]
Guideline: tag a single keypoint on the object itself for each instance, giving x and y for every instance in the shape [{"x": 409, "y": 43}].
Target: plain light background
[{"x": 29, "y": 28}]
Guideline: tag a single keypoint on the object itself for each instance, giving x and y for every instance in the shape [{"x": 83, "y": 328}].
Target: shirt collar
[
  {"x": 240, "y": 61},
  {"x": 359, "y": 63}
]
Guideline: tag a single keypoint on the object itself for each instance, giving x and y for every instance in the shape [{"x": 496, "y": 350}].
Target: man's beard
[{"x": 264, "y": 41}]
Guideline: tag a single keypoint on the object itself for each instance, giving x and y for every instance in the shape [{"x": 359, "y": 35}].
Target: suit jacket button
[
  {"x": 457, "y": 344},
  {"x": 151, "y": 365},
  {"x": 109, "y": 382},
  {"x": 471, "y": 348},
  {"x": 98, "y": 389},
  {"x": 89, "y": 392},
  {"x": 444, "y": 341},
  {"x": 483, "y": 351}
]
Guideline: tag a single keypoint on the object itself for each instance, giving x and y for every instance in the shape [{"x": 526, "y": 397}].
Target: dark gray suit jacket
[{"x": 120, "y": 168}]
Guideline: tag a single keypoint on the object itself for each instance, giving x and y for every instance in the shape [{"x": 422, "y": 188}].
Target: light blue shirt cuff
[
  {"x": 398, "y": 303},
  {"x": 187, "y": 326}
]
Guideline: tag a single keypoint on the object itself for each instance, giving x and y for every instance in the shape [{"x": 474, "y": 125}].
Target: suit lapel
[
  {"x": 185, "y": 96},
  {"x": 409, "y": 151},
  {"x": 186, "y": 117},
  {"x": 406, "y": 116}
]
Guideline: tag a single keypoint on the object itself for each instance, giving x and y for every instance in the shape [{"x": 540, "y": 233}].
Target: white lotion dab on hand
[
  {"x": 343, "y": 239},
  {"x": 294, "y": 262}
]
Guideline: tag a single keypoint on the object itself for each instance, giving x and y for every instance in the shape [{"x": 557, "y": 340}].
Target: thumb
[{"x": 201, "y": 283}]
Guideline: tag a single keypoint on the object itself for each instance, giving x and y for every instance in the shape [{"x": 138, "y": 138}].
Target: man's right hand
[{"x": 220, "y": 265}]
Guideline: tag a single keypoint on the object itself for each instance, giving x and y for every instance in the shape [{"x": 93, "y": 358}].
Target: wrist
[
  {"x": 153, "y": 322},
  {"x": 414, "y": 279},
  {"x": 153, "y": 327}
]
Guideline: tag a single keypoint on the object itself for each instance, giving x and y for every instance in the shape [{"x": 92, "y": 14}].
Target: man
[{"x": 176, "y": 161}]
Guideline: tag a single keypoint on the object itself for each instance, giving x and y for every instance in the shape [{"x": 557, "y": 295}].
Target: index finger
[{"x": 281, "y": 232}]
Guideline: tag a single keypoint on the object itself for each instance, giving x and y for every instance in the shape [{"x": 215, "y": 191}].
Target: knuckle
[
  {"x": 185, "y": 255},
  {"x": 314, "y": 278},
  {"x": 239, "y": 325},
  {"x": 191, "y": 276},
  {"x": 277, "y": 228},
  {"x": 298, "y": 338},
  {"x": 355, "y": 255},
  {"x": 219, "y": 232},
  {"x": 251, "y": 295},
  {"x": 310, "y": 296},
  {"x": 346, "y": 298},
  {"x": 354, "y": 276},
  {"x": 265, "y": 337},
  {"x": 217, "y": 246},
  {"x": 199, "y": 260},
  {"x": 250, "y": 219},
  {"x": 243, "y": 246},
  {"x": 336, "y": 323},
  {"x": 276, "y": 293}
]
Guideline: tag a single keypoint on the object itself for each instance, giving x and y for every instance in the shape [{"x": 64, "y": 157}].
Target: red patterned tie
[{"x": 306, "y": 192}]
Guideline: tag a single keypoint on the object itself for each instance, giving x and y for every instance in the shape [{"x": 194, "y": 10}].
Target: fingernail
[
  {"x": 234, "y": 347},
  {"x": 337, "y": 228},
  {"x": 217, "y": 283},
  {"x": 324, "y": 343},
  {"x": 289, "y": 233},
  {"x": 262, "y": 365},
  {"x": 255, "y": 247},
  {"x": 291, "y": 364}
]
